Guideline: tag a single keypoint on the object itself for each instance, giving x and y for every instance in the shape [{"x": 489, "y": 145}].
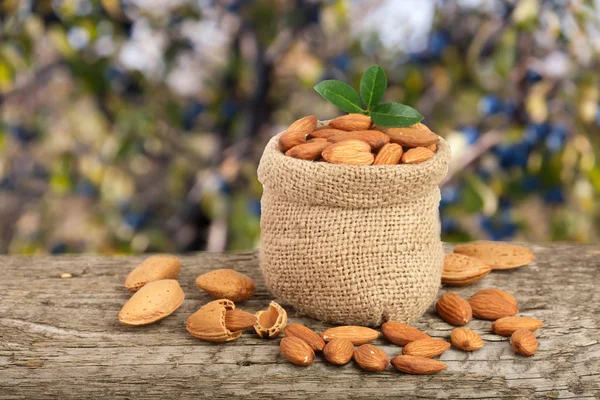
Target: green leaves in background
[
  {"x": 395, "y": 115},
  {"x": 341, "y": 95},
  {"x": 372, "y": 86}
]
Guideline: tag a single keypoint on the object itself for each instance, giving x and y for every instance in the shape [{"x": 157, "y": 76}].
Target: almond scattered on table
[
  {"x": 402, "y": 334},
  {"x": 356, "y": 334},
  {"x": 465, "y": 339},
  {"x": 226, "y": 284},
  {"x": 209, "y": 322},
  {"x": 338, "y": 351},
  {"x": 426, "y": 348},
  {"x": 153, "y": 268},
  {"x": 371, "y": 358},
  {"x": 461, "y": 270},
  {"x": 417, "y": 365},
  {"x": 153, "y": 302},
  {"x": 297, "y": 351},
  {"x": 491, "y": 305},
  {"x": 237, "y": 320},
  {"x": 308, "y": 335},
  {"x": 271, "y": 321},
  {"x": 497, "y": 255},
  {"x": 508, "y": 325},
  {"x": 454, "y": 309},
  {"x": 524, "y": 342}
]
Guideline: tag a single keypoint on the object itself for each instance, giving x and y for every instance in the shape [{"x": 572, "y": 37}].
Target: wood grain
[{"x": 61, "y": 338}]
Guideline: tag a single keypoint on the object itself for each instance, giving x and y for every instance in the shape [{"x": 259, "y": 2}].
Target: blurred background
[{"x": 131, "y": 126}]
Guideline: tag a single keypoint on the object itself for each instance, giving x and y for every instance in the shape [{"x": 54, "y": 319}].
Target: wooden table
[{"x": 61, "y": 338}]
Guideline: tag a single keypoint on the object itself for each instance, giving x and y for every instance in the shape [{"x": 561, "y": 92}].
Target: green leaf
[
  {"x": 395, "y": 115},
  {"x": 340, "y": 94},
  {"x": 372, "y": 86}
]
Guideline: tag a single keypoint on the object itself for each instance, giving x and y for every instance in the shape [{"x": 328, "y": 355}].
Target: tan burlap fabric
[{"x": 352, "y": 244}]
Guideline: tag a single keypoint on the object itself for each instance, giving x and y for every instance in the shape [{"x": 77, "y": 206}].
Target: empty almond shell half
[
  {"x": 208, "y": 323},
  {"x": 271, "y": 321}
]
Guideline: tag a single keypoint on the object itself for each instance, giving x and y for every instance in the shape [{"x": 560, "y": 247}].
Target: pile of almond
[
  {"x": 353, "y": 140},
  {"x": 158, "y": 294}
]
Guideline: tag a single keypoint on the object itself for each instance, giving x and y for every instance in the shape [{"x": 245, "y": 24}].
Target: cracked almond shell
[
  {"x": 208, "y": 323},
  {"x": 271, "y": 321}
]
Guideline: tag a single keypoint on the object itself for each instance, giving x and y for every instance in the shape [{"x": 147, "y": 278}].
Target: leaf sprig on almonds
[{"x": 372, "y": 87}]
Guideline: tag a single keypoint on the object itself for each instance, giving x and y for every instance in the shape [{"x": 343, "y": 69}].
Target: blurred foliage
[{"x": 134, "y": 126}]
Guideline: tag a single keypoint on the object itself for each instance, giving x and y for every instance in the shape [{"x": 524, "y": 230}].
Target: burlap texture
[{"x": 352, "y": 244}]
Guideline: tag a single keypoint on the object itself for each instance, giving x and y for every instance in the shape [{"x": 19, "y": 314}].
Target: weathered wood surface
[{"x": 61, "y": 338}]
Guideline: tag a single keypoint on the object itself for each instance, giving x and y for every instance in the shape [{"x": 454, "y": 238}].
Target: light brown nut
[
  {"x": 297, "y": 351},
  {"x": 426, "y": 348},
  {"x": 454, "y": 309},
  {"x": 289, "y": 139},
  {"x": 351, "y": 122},
  {"x": 402, "y": 334},
  {"x": 412, "y": 137},
  {"x": 375, "y": 139},
  {"x": 417, "y": 365},
  {"x": 153, "y": 302},
  {"x": 305, "y": 124},
  {"x": 432, "y": 147},
  {"x": 371, "y": 358},
  {"x": 325, "y": 133},
  {"x": 524, "y": 342},
  {"x": 350, "y": 152},
  {"x": 461, "y": 270},
  {"x": 465, "y": 339},
  {"x": 356, "y": 334},
  {"x": 491, "y": 306},
  {"x": 497, "y": 255},
  {"x": 508, "y": 325},
  {"x": 308, "y": 335},
  {"x": 390, "y": 154},
  {"x": 271, "y": 321},
  {"x": 378, "y": 128},
  {"x": 339, "y": 351},
  {"x": 153, "y": 268},
  {"x": 226, "y": 284},
  {"x": 237, "y": 320},
  {"x": 308, "y": 151},
  {"x": 416, "y": 155},
  {"x": 208, "y": 323},
  {"x": 498, "y": 292}
]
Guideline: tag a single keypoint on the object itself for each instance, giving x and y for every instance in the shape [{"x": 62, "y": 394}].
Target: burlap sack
[{"x": 352, "y": 244}]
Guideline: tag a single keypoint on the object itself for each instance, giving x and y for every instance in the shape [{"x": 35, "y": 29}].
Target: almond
[
  {"x": 351, "y": 122},
  {"x": 524, "y": 342},
  {"x": 209, "y": 322},
  {"x": 351, "y": 152},
  {"x": 237, "y": 320},
  {"x": 402, "y": 334},
  {"x": 153, "y": 268},
  {"x": 325, "y": 133},
  {"x": 454, "y": 309},
  {"x": 426, "y": 348},
  {"x": 497, "y": 255},
  {"x": 305, "y": 124},
  {"x": 465, "y": 339},
  {"x": 491, "y": 306},
  {"x": 371, "y": 358},
  {"x": 416, "y": 155},
  {"x": 432, "y": 147},
  {"x": 375, "y": 139},
  {"x": 339, "y": 351},
  {"x": 412, "y": 136},
  {"x": 460, "y": 270},
  {"x": 226, "y": 284},
  {"x": 498, "y": 292},
  {"x": 356, "y": 334},
  {"x": 390, "y": 154},
  {"x": 289, "y": 139},
  {"x": 417, "y": 365},
  {"x": 296, "y": 351},
  {"x": 153, "y": 302},
  {"x": 308, "y": 151},
  {"x": 271, "y": 321},
  {"x": 508, "y": 325},
  {"x": 308, "y": 335}
]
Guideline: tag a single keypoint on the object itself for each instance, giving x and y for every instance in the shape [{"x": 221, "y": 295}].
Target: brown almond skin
[
  {"x": 412, "y": 136},
  {"x": 309, "y": 151},
  {"x": 499, "y": 292},
  {"x": 402, "y": 334},
  {"x": 371, "y": 358},
  {"x": 226, "y": 283},
  {"x": 305, "y": 124},
  {"x": 338, "y": 351},
  {"x": 325, "y": 133},
  {"x": 416, "y": 365},
  {"x": 237, "y": 320},
  {"x": 491, "y": 306},
  {"x": 416, "y": 155},
  {"x": 465, "y": 339},
  {"x": 508, "y": 325},
  {"x": 390, "y": 154},
  {"x": 350, "y": 152},
  {"x": 454, "y": 309},
  {"x": 289, "y": 139},
  {"x": 426, "y": 348},
  {"x": 351, "y": 122},
  {"x": 356, "y": 334},
  {"x": 153, "y": 268},
  {"x": 308, "y": 335},
  {"x": 524, "y": 342},
  {"x": 375, "y": 139},
  {"x": 296, "y": 351}
]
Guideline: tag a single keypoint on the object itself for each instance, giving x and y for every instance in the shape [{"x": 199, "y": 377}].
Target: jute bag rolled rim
[{"x": 349, "y": 186}]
